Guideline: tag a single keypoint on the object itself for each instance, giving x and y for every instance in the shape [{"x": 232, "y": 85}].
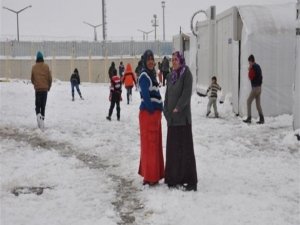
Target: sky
[{"x": 63, "y": 20}]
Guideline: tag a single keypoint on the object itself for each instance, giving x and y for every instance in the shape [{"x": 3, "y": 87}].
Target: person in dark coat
[
  {"x": 165, "y": 68},
  {"x": 255, "y": 77},
  {"x": 151, "y": 161},
  {"x": 75, "y": 82},
  {"x": 138, "y": 70},
  {"x": 42, "y": 80},
  {"x": 180, "y": 168},
  {"x": 111, "y": 70},
  {"x": 121, "y": 69},
  {"x": 115, "y": 95}
]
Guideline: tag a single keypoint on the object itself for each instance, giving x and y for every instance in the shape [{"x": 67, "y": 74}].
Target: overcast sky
[{"x": 63, "y": 19}]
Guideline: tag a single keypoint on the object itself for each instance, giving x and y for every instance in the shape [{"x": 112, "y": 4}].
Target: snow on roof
[{"x": 272, "y": 19}]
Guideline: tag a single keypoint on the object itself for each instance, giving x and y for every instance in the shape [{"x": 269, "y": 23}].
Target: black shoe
[
  {"x": 248, "y": 120},
  {"x": 118, "y": 118},
  {"x": 73, "y": 99},
  {"x": 190, "y": 187},
  {"x": 150, "y": 183},
  {"x": 261, "y": 120},
  {"x": 175, "y": 186},
  {"x": 108, "y": 118},
  {"x": 207, "y": 114}
]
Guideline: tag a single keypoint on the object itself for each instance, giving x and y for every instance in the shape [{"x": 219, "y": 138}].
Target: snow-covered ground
[{"x": 248, "y": 174}]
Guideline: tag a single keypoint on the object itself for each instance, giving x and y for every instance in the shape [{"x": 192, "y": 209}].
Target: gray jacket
[{"x": 178, "y": 96}]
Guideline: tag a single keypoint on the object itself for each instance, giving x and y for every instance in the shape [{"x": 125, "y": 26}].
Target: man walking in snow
[
  {"x": 255, "y": 76},
  {"x": 41, "y": 79}
]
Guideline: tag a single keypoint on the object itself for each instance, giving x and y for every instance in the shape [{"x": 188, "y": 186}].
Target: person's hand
[
  {"x": 109, "y": 97},
  {"x": 121, "y": 98},
  {"x": 175, "y": 110}
]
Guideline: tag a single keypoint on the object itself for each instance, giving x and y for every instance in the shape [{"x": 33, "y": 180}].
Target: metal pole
[
  {"x": 17, "y": 13},
  {"x": 154, "y": 24},
  {"x": 18, "y": 27},
  {"x": 163, "y": 4},
  {"x": 94, "y": 26},
  {"x": 104, "y": 19}
]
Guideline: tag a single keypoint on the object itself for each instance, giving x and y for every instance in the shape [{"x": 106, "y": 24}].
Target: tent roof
[{"x": 276, "y": 18}]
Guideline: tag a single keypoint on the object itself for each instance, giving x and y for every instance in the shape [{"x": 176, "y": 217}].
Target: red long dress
[{"x": 151, "y": 161}]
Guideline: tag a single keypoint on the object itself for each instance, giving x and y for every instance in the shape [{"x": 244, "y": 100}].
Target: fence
[
  {"x": 91, "y": 58},
  {"x": 83, "y": 49}
]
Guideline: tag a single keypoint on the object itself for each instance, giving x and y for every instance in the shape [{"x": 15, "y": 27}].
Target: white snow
[{"x": 248, "y": 174}]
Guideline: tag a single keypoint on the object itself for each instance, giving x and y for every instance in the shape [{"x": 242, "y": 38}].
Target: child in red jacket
[{"x": 115, "y": 95}]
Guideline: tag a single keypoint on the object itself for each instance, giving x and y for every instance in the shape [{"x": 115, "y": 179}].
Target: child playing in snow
[
  {"x": 115, "y": 95},
  {"x": 213, "y": 88},
  {"x": 75, "y": 82}
]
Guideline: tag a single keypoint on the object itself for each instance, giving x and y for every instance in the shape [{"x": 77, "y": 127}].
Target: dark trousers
[
  {"x": 180, "y": 158},
  {"x": 76, "y": 85},
  {"x": 129, "y": 92},
  {"x": 40, "y": 102},
  {"x": 112, "y": 106},
  {"x": 165, "y": 74}
]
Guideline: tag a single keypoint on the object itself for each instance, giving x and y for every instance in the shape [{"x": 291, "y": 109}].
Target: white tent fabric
[
  {"x": 268, "y": 34},
  {"x": 297, "y": 84}
]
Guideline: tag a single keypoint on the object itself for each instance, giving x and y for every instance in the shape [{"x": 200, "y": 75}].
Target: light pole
[
  {"x": 163, "y": 5},
  {"x": 94, "y": 26},
  {"x": 17, "y": 12},
  {"x": 154, "y": 24},
  {"x": 145, "y": 34}
]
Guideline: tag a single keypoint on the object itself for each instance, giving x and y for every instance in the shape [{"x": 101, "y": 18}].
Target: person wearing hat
[
  {"x": 41, "y": 79},
  {"x": 75, "y": 81},
  {"x": 151, "y": 159}
]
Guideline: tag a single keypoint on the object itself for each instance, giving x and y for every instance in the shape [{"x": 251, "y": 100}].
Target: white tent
[
  {"x": 225, "y": 43},
  {"x": 297, "y": 76}
]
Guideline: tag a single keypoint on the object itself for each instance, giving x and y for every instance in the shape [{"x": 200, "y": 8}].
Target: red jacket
[
  {"x": 128, "y": 78},
  {"x": 251, "y": 73}
]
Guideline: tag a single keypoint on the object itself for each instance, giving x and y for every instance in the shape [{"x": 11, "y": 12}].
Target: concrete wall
[{"x": 90, "y": 70}]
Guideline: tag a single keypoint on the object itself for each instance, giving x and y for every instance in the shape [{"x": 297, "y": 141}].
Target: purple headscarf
[{"x": 177, "y": 74}]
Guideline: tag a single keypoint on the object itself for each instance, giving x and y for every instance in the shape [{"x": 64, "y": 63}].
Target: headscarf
[
  {"x": 177, "y": 74},
  {"x": 151, "y": 73}
]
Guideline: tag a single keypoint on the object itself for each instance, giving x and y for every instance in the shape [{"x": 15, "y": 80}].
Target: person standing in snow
[
  {"x": 151, "y": 166},
  {"x": 115, "y": 95},
  {"x": 41, "y": 79},
  {"x": 255, "y": 76},
  {"x": 138, "y": 71},
  {"x": 75, "y": 82},
  {"x": 159, "y": 73},
  {"x": 213, "y": 88},
  {"x": 165, "y": 68},
  {"x": 129, "y": 80},
  {"x": 180, "y": 168},
  {"x": 111, "y": 70},
  {"x": 121, "y": 69}
]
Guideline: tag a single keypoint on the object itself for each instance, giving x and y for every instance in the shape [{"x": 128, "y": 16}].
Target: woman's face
[
  {"x": 175, "y": 62},
  {"x": 150, "y": 63}
]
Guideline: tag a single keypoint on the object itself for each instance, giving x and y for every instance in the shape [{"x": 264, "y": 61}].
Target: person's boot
[
  {"x": 248, "y": 120},
  {"x": 81, "y": 97},
  {"x": 73, "y": 98},
  {"x": 108, "y": 118},
  {"x": 261, "y": 120},
  {"x": 38, "y": 119},
  {"x": 207, "y": 114},
  {"x": 42, "y": 122}
]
